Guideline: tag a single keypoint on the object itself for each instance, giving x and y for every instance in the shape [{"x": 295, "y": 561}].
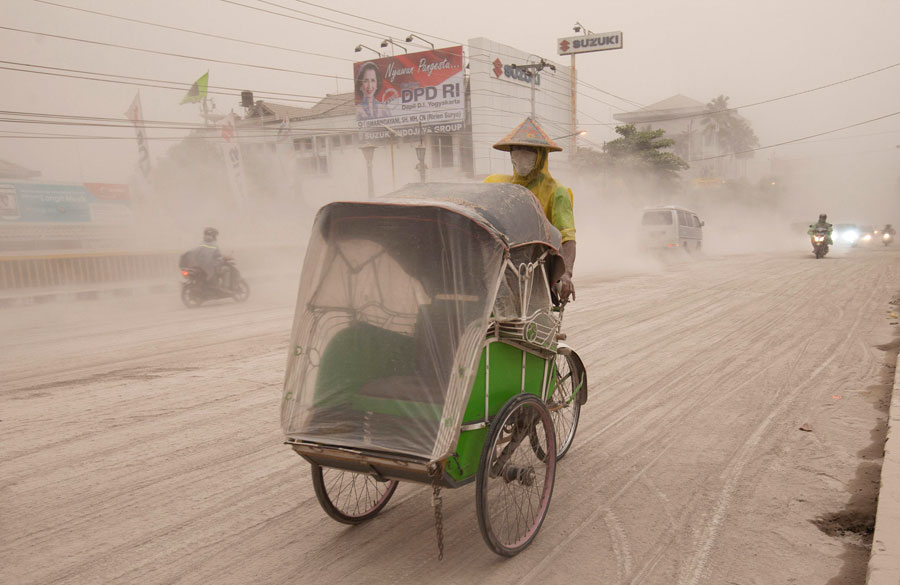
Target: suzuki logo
[
  {"x": 564, "y": 46},
  {"x": 498, "y": 67}
]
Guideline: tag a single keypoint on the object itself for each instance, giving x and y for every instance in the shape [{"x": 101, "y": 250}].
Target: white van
[{"x": 671, "y": 227}]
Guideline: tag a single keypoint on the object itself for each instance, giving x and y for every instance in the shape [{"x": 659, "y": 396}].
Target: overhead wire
[
  {"x": 749, "y": 150},
  {"x": 179, "y": 55},
  {"x": 194, "y": 32}
]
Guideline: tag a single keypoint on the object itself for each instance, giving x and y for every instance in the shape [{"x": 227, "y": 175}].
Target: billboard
[
  {"x": 98, "y": 203},
  {"x": 410, "y": 91}
]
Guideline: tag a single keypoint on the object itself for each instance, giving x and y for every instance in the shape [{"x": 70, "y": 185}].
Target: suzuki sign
[{"x": 590, "y": 43}]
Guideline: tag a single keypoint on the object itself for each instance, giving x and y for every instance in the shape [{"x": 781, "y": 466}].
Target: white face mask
[{"x": 523, "y": 161}]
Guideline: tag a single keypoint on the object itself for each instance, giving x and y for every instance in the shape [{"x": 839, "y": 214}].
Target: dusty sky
[{"x": 749, "y": 51}]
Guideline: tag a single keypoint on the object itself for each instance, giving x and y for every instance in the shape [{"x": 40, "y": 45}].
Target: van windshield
[{"x": 657, "y": 218}]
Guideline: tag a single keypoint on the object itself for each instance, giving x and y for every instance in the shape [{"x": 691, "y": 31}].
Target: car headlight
[
  {"x": 850, "y": 236},
  {"x": 867, "y": 237}
]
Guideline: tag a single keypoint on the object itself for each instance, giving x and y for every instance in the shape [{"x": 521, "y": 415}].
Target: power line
[
  {"x": 775, "y": 99},
  {"x": 796, "y": 139},
  {"x": 194, "y": 32},
  {"x": 142, "y": 50},
  {"x": 185, "y": 86}
]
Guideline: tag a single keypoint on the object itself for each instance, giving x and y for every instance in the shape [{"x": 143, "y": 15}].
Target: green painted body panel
[
  {"x": 468, "y": 454},
  {"x": 505, "y": 381}
]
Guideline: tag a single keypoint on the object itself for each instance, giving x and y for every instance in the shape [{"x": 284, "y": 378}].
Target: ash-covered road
[{"x": 140, "y": 441}]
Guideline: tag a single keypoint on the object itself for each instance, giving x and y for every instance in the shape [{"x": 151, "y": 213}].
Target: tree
[
  {"x": 732, "y": 132},
  {"x": 643, "y": 151}
]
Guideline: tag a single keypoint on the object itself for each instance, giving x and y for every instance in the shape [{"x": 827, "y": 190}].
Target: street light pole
[
  {"x": 368, "y": 150},
  {"x": 391, "y": 133}
]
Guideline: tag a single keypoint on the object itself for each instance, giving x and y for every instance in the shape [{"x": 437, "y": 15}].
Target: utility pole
[{"x": 531, "y": 70}]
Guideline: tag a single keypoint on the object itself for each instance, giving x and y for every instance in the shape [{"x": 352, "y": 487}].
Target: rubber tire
[
  {"x": 484, "y": 464},
  {"x": 562, "y": 447},
  {"x": 332, "y": 510},
  {"x": 242, "y": 291},
  {"x": 189, "y": 299}
]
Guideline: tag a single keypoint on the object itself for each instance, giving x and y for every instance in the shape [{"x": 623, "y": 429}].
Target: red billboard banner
[{"x": 411, "y": 91}]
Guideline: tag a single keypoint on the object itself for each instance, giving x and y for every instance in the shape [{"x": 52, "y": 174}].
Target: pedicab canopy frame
[{"x": 395, "y": 299}]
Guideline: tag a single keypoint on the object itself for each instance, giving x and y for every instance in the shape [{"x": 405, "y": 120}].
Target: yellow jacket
[{"x": 556, "y": 200}]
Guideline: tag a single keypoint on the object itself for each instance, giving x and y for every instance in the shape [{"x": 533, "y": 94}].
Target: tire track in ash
[
  {"x": 658, "y": 422},
  {"x": 735, "y": 469}
]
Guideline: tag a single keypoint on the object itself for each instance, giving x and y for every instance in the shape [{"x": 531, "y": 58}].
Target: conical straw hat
[{"x": 528, "y": 133}]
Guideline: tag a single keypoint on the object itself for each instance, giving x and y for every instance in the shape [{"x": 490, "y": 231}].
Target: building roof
[
  {"x": 10, "y": 170},
  {"x": 340, "y": 104},
  {"x": 676, "y": 106}
]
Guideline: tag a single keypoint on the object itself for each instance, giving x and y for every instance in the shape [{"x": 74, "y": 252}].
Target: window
[
  {"x": 684, "y": 220},
  {"x": 441, "y": 151},
  {"x": 303, "y": 145},
  {"x": 336, "y": 141},
  {"x": 657, "y": 218},
  {"x": 348, "y": 139},
  {"x": 696, "y": 221}
]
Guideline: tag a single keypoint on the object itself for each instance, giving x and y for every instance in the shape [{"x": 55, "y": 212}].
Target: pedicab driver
[{"x": 529, "y": 148}]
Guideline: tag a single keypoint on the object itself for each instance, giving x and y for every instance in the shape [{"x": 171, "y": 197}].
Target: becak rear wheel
[{"x": 350, "y": 497}]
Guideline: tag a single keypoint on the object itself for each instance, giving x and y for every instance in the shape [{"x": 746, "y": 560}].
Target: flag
[
  {"x": 231, "y": 151},
  {"x": 197, "y": 91},
  {"x": 136, "y": 115}
]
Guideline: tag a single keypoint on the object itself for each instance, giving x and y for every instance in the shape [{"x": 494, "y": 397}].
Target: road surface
[{"x": 140, "y": 441}]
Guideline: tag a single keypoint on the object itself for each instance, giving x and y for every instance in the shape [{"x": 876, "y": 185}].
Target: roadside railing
[{"x": 86, "y": 268}]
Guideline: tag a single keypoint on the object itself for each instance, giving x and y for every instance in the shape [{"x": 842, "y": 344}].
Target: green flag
[{"x": 197, "y": 91}]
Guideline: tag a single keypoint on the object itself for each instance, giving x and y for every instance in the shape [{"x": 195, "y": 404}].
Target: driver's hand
[{"x": 566, "y": 288}]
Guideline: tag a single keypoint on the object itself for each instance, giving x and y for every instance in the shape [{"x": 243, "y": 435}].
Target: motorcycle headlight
[{"x": 867, "y": 237}]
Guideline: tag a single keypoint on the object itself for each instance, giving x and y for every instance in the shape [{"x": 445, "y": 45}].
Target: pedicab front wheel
[
  {"x": 515, "y": 479},
  {"x": 349, "y": 497},
  {"x": 564, "y": 403}
]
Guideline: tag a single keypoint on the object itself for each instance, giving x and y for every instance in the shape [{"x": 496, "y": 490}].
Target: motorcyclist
[
  {"x": 207, "y": 257},
  {"x": 822, "y": 224},
  {"x": 889, "y": 229},
  {"x": 529, "y": 148}
]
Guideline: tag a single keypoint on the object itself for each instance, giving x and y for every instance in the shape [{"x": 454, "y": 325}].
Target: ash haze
[{"x": 748, "y": 51}]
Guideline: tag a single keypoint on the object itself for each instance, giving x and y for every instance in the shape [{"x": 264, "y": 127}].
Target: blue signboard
[{"x": 63, "y": 203}]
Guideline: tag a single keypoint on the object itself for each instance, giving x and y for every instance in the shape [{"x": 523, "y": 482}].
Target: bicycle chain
[{"x": 435, "y": 470}]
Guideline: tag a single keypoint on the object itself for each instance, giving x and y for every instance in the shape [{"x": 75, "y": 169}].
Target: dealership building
[{"x": 320, "y": 151}]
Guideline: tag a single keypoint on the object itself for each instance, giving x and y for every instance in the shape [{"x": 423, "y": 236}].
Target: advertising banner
[
  {"x": 411, "y": 93},
  {"x": 231, "y": 150},
  {"x": 97, "y": 203},
  {"x": 136, "y": 115}
]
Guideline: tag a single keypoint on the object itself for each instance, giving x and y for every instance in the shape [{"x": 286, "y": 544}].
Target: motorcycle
[
  {"x": 820, "y": 243},
  {"x": 886, "y": 238},
  {"x": 195, "y": 289}
]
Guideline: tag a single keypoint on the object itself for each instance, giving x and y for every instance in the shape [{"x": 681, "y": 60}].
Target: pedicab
[{"x": 426, "y": 347}]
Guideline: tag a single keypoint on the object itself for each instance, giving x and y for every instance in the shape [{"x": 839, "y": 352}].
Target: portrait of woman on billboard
[{"x": 368, "y": 84}]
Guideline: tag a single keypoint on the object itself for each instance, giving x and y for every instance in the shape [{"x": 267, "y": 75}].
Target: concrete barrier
[{"x": 884, "y": 563}]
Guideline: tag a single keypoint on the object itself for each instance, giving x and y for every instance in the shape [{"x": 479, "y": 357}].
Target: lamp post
[
  {"x": 579, "y": 133},
  {"x": 368, "y": 150},
  {"x": 420, "y": 154},
  {"x": 411, "y": 36},
  {"x": 391, "y": 133},
  {"x": 577, "y": 28},
  {"x": 359, "y": 48},
  {"x": 385, "y": 42}
]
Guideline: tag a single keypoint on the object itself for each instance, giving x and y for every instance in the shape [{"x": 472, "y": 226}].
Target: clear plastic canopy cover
[{"x": 394, "y": 302}]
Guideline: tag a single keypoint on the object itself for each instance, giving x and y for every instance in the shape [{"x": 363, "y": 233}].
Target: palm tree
[{"x": 732, "y": 133}]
